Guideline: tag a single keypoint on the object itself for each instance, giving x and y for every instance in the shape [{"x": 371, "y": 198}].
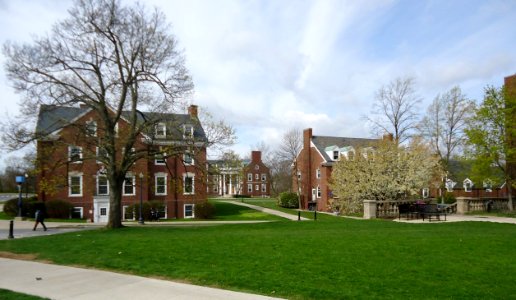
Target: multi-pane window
[
  {"x": 249, "y": 177},
  {"x": 189, "y": 210},
  {"x": 101, "y": 155},
  {"x": 318, "y": 192},
  {"x": 299, "y": 175},
  {"x": 264, "y": 188},
  {"x": 257, "y": 187},
  {"x": 188, "y": 184},
  {"x": 129, "y": 185},
  {"x": 91, "y": 128},
  {"x": 161, "y": 185},
  {"x": 75, "y": 185},
  {"x": 102, "y": 185},
  {"x": 318, "y": 173},
  {"x": 75, "y": 154},
  {"x": 249, "y": 188},
  {"x": 188, "y": 159},
  {"x": 351, "y": 155},
  {"x": 336, "y": 155},
  {"x": 256, "y": 176},
  {"x": 160, "y": 159},
  {"x": 264, "y": 177},
  {"x": 188, "y": 131},
  {"x": 161, "y": 130}
]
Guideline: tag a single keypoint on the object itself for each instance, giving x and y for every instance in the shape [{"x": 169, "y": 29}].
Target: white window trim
[
  {"x": 338, "y": 155},
  {"x": 189, "y": 175},
  {"x": 318, "y": 173},
  {"x": 264, "y": 177},
  {"x": 107, "y": 185},
  {"x": 116, "y": 129},
  {"x": 193, "y": 211},
  {"x": 156, "y": 184},
  {"x": 256, "y": 176},
  {"x": 70, "y": 154},
  {"x": 250, "y": 188},
  {"x": 97, "y": 154},
  {"x": 88, "y": 124},
  {"x": 133, "y": 185},
  {"x": 257, "y": 187},
  {"x": 81, "y": 210},
  {"x": 156, "y": 163},
  {"x": 190, "y": 134},
  {"x": 249, "y": 176},
  {"x": 164, "y": 130},
  {"x": 192, "y": 163},
  {"x": 468, "y": 185},
  {"x": 318, "y": 191},
  {"x": 264, "y": 188},
  {"x": 70, "y": 184}
]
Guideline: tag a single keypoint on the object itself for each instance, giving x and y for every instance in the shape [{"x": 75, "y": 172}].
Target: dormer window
[
  {"x": 450, "y": 184},
  {"x": 488, "y": 185},
  {"x": 468, "y": 185},
  {"x": 161, "y": 130},
  {"x": 336, "y": 155},
  {"x": 188, "y": 131},
  {"x": 351, "y": 155},
  {"x": 159, "y": 159},
  {"x": 425, "y": 193}
]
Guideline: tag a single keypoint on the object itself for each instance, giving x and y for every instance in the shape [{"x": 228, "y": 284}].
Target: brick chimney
[
  {"x": 307, "y": 137},
  {"x": 256, "y": 156},
  {"x": 388, "y": 137},
  {"x": 192, "y": 111}
]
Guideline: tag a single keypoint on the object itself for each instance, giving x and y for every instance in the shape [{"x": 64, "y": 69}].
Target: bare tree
[
  {"x": 395, "y": 109},
  {"x": 444, "y": 123},
  {"x": 289, "y": 149},
  {"x": 116, "y": 60}
]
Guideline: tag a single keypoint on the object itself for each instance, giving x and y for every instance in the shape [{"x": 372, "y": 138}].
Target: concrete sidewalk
[
  {"x": 61, "y": 282},
  {"x": 265, "y": 210}
]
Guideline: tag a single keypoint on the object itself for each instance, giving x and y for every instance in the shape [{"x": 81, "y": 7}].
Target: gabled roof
[
  {"x": 323, "y": 142},
  {"x": 52, "y": 118}
]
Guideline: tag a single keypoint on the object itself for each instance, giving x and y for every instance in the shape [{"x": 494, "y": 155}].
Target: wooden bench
[{"x": 431, "y": 210}]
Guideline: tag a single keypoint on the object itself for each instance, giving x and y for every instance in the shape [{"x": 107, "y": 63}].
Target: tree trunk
[
  {"x": 115, "y": 202},
  {"x": 509, "y": 195}
]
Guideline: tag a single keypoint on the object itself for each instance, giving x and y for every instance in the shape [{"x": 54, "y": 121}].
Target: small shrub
[
  {"x": 241, "y": 196},
  {"x": 28, "y": 210},
  {"x": 449, "y": 198},
  {"x": 58, "y": 209},
  {"x": 288, "y": 200},
  {"x": 205, "y": 210}
]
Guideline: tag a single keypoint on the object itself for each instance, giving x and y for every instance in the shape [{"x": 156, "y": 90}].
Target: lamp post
[
  {"x": 140, "y": 219},
  {"x": 26, "y": 186},
  {"x": 20, "y": 180}
]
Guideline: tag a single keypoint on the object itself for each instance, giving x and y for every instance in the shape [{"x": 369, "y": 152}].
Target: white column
[
  {"x": 230, "y": 185},
  {"x": 224, "y": 184},
  {"x": 220, "y": 184}
]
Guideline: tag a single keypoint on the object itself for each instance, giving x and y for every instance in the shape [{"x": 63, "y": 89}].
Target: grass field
[
  {"x": 10, "y": 295},
  {"x": 331, "y": 258}
]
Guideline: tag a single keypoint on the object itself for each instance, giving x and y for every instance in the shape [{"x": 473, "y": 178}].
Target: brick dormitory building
[
  {"x": 70, "y": 171},
  {"x": 248, "y": 177}
]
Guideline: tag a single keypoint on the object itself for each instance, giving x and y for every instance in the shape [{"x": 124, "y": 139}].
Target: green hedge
[
  {"x": 58, "y": 209},
  {"x": 205, "y": 210},
  {"x": 28, "y": 208},
  {"x": 288, "y": 200},
  {"x": 147, "y": 208}
]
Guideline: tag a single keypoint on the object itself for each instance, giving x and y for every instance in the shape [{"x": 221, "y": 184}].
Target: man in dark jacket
[{"x": 40, "y": 216}]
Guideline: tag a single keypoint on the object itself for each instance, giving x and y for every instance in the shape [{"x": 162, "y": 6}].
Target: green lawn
[
  {"x": 332, "y": 258},
  {"x": 10, "y": 295},
  {"x": 273, "y": 204},
  {"x": 231, "y": 212}
]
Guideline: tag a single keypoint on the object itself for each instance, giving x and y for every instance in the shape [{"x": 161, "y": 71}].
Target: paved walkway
[
  {"x": 266, "y": 210},
  {"x": 61, "y": 282}
]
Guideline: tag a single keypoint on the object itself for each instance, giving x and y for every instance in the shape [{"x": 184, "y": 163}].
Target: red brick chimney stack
[
  {"x": 192, "y": 111},
  {"x": 256, "y": 156}
]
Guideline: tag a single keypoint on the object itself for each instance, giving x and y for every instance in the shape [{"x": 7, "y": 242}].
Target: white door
[{"x": 101, "y": 208}]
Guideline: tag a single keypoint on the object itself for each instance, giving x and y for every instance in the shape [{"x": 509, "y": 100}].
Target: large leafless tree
[
  {"x": 289, "y": 149},
  {"x": 117, "y": 60},
  {"x": 395, "y": 109},
  {"x": 444, "y": 123}
]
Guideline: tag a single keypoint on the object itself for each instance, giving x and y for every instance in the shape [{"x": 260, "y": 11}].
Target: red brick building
[
  {"x": 70, "y": 170},
  {"x": 248, "y": 177},
  {"x": 315, "y": 162},
  {"x": 256, "y": 181}
]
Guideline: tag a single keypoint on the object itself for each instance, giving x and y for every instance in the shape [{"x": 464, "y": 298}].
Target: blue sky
[{"x": 267, "y": 66}]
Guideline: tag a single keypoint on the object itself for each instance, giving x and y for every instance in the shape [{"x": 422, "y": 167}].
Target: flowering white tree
[{"x": 389, "y": 172}]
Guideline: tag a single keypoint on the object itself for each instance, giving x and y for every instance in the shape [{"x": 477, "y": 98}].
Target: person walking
[{"x": 40, "y": 217}]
